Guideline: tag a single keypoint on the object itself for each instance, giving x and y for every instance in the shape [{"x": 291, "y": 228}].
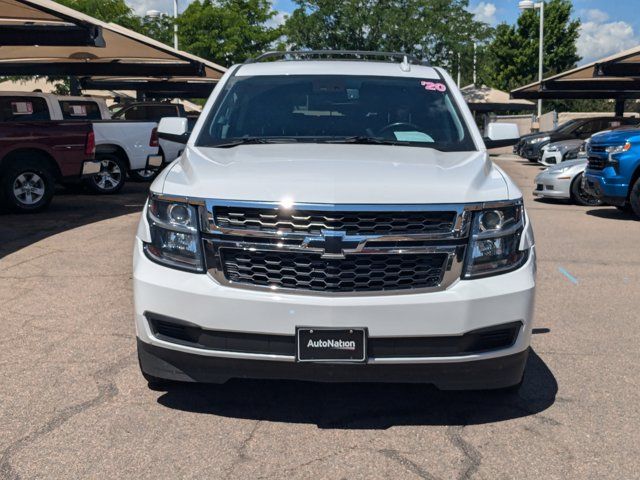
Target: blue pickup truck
[{"x": 613, "y": 173}]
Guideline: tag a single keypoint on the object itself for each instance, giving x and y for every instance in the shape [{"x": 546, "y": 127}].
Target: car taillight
[
  {"x": 90, "y": 145},
  {"x": 153, "y": 141}
]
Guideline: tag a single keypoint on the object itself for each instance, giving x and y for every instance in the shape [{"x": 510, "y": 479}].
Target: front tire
[
  {"x": 580, "y": 196},
  {"x": 634, "y": 198},
  {"x": 111, "y": 178},
  {"x": 28, "y": 186}
]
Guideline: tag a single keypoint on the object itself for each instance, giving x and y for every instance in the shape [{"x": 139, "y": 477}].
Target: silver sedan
[{"x": 564, "y": 181}]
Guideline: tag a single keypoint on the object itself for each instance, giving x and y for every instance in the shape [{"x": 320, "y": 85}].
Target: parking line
[{"x": 571, "y": 278}]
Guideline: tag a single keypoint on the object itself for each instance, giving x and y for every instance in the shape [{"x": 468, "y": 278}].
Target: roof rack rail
[{"x": 338, "y": 55}]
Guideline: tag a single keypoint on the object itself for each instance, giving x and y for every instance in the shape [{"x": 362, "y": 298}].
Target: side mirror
[
  {"x": 174, "y": 129},
  {"x": 501, "y": 135}
]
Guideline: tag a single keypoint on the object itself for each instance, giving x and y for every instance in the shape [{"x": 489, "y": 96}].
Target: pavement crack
[
  {"x": 472, "y": 457},
  {"x": 107, "y": 390},
  {"x": 396, "y": 456},
  {"x": 242, "y": 450}
]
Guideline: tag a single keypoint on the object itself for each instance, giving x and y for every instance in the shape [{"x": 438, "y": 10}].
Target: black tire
[
  {"x": 626, "y": 208},
  {"x": 634, "y": 198},
  {"x": 27, "y": 185},
  {"x": 111, "y": 178},
  {"x": 580, "y": 197},
  {"x": 142, "y": 176}
]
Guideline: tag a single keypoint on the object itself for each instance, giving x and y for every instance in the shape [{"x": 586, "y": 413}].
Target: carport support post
[
  {"x": 619, "y": 107},
  {"x": 74, "y": 86}
]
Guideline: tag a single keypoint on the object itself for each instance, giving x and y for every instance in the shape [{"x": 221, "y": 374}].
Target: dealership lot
[{"x": 75, "y": 406}]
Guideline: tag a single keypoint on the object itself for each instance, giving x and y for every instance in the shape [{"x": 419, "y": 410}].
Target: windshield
[
  {"x": 565, "y": 126},
  {"x": 336, "y": 108}
]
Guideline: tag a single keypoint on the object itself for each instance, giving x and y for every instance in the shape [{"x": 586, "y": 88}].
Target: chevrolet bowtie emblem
[{"x": 333, "y": 242}]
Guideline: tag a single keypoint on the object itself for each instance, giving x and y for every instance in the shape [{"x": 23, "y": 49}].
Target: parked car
[
  {"x": 556, "y": 152},
  {"x": 335, "y": 221},
  {"x": 613, "y": 172},
  {"x": 531, "y": 145},
  {"x": 34, "y": 154},
  {"x": 564, "y": 181},
  {"x": 154, "y": 112},
  {"x": 121, "y": 146}
]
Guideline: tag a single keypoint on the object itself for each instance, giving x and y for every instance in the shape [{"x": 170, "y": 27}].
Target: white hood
[{"x": 335, "y": 174}]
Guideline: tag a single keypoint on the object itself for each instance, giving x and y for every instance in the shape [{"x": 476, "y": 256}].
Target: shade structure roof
[
  {"x": 173, "y": 87},
  {"x": 118, "y": 51},
  {"x": 481, "y": 98},
  {"x": 616, "y": 76}
]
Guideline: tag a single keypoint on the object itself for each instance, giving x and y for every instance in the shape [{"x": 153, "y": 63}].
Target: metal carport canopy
[
  {"x": 614, "y": 77},
  {"x": 125, "y": 52},
  {"x": 172, "y": 87}
]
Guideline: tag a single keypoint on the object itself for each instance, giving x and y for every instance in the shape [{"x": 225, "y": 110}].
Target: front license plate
[{"x": 331, "y": 344}]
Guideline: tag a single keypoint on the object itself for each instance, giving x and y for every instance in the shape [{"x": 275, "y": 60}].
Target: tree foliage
[
  {"x": 436, "y": 30},
  {"x": 228, "y": 31},
  {"x": 513, "y": 54}
]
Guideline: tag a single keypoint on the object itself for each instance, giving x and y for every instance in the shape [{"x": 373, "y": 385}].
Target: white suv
[{"x": 334, "y": 220}]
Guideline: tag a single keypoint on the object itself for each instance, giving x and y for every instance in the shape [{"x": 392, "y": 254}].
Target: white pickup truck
[
  {"x": 335, "y": 219},
  {"x": 121, "y": 146}
]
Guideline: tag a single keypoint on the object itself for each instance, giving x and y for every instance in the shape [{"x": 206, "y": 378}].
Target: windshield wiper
[
  {"x": 365, "y": 140},
  {"x": 252, "y": 141}
]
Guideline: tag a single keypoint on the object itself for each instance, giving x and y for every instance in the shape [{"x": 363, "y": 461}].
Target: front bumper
[
  {"x": 465, "y": 306},
  {"x": 176, "y": 365},
  {"x": 549, "y": 186},
  {"x": 606, "y": 185}
]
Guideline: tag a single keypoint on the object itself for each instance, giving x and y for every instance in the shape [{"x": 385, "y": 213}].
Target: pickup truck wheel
[
  {"x": 111, "y": 177},
  {"x": 27, "y": 186},
  {"x": 143, "y": 175},
  {"x": 634, "y": 198},
  {"x": 580, "y": 196}
]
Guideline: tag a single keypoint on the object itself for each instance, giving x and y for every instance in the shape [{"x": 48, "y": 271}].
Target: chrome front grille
[
  {"x": 352, "y": 223},
  {"x": 354, "y": 273},
  {"x": 335, "y": 249}
]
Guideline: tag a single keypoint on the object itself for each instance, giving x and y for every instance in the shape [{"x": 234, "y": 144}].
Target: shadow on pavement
[
  {"x": 612, "y": 213},
  {"x": 365, "y": 406},
  {"x": 71, "y": 208}
]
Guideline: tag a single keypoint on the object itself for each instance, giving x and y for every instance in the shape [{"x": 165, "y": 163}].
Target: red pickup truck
[{"x": 35, "y": 154}]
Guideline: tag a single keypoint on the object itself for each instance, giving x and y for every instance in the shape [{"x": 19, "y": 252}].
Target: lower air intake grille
[{"x": 355, "y": 273}]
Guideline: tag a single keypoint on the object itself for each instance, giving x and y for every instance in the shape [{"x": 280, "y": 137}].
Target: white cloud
[
  {"x": 599, "y": 38},
  {"x": 595, "y": 15},
  {"x": 277, "y": 20},
  {"x": 485, "y": 12},
  {"x": 166, "y": 6}
]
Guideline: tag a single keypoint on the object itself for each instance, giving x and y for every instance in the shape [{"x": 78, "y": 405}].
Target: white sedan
[
  {"x": 564, "y": 181},
  {"x": 558, "y": 152}
]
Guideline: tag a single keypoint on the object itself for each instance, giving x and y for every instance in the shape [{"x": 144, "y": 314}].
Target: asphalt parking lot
[{"x": 73, "y": 404}]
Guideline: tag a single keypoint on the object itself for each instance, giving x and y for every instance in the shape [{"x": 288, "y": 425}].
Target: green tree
[
  {"x": 228, "y": 31},
  {"x": 436, "y": 30},
  {"x": 513, "y": 54},
  {"x": 116, "y": 11}
]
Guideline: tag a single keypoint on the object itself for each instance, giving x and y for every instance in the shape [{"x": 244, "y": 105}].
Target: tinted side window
[
  {"x": 74, "y": 110},
  {"x": 156, "y": 112},
  {"x": 135, "y": 113},
  {"x": 20, "y": 109}
]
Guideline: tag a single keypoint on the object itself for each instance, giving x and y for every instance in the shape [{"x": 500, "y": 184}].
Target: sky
[{"x": 608, "y": 26}]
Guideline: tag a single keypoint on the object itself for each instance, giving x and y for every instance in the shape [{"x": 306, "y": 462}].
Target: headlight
[
  {"x": 175, "y": 235},
  {"x": 552, "y": 149},
  {"x": 560, "y": 171},
  {"x": 618, "y": 148},
  {"x": 495, "y": 241},
  {"x": 540, "y": 140}
]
